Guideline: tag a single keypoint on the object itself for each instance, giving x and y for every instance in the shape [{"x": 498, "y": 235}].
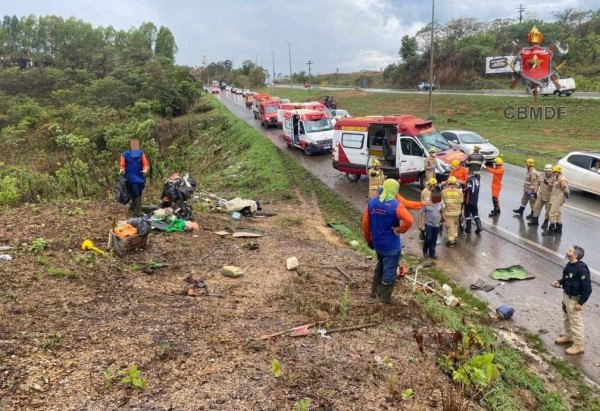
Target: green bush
[{"x": 9, "y": 192}]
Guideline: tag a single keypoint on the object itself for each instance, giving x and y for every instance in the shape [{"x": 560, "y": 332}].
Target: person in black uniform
[
  {"x": 471, "y": 209},
  {"x": 475, "y": 161},
  {"x": 577, "y": 288}
]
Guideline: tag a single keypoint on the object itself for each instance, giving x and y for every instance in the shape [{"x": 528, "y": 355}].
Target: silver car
[
  {"x": 465, "y": 141},
  {"x": 581, "y": 170}
]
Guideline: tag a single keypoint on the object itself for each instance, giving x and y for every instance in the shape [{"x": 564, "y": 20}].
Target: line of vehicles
[{"x": 400, "y": 142}]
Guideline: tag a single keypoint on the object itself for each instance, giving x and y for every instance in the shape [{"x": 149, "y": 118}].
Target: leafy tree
[
  {"x": 408, "y": 48},
  {"x": 165, "y": 44}
]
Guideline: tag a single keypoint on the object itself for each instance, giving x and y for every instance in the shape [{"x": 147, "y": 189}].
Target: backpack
[{"x": 121, "y": 192}]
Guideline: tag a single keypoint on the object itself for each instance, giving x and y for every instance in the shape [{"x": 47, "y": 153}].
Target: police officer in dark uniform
[
  {"x": 475, "y": 161},
  {"x": 577, "y": 288}
]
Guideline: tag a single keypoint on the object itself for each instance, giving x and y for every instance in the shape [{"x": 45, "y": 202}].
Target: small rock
[
  {"x": 354, "y": 243},
  {"x": 232, "y": 271},
  {"x": 292, "y": 263},
  {"x": 36, "y": 387}
]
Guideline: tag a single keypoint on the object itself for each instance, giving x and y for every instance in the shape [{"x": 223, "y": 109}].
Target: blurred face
[{"x": 571, "y": 254}]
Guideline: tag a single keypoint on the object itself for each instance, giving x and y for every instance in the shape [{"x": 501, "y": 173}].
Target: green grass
[
  {"x": 334, "y": 208},
  {"x": 546, "y": 141}
]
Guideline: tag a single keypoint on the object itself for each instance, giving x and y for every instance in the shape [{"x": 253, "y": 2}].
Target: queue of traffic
[{"x": 399, "y": 143}]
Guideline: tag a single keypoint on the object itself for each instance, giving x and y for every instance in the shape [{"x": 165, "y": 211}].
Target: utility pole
[
  {"x": 309, "y": 63},
  {"x": 273, "y": 79},
  {"x": 521, "y": 9},
  {"x": 290, "y": 53},
  {"x": 205, "y": 65},
  {"x": 256, "y": 60},
  {"x": 431, "y": 60}
]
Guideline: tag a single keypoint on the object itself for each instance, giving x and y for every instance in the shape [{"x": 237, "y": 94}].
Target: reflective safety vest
[
  {"x": 475, "y": 162},
  {"x": 376, "y": 179},
  {"x": 453, "y": 199}
]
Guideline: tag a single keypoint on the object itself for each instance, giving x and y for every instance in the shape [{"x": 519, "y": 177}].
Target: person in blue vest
[
  {"x": 384, "y": 219},
  {"x": 135, "y": 166}
]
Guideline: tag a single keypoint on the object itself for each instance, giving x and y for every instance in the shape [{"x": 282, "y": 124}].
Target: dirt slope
[{"x": 68, "y": 318}]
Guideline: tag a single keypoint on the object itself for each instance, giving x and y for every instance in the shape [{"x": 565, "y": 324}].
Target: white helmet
[{"x": 548, "y": 168}]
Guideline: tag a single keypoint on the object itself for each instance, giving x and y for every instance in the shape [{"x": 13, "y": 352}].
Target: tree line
[
  {"x": 72, "y": 95},
  {"x": 461, "y": 46}
]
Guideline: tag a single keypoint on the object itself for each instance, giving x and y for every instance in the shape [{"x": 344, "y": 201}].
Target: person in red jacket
[
  {"x": 384, "y": 219},
  {"x": 498, "y": 172}
]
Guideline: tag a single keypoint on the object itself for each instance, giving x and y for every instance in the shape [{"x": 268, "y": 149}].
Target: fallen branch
[
  {"x": 289, "y": 330},
  {"x": 342, "y": 272},
  {"x": 351, "y": 328}
]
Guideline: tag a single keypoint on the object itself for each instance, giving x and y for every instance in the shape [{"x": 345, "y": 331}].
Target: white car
[
  {"x": 581, "y": 170},
  {"x": 567, "y": 87},
  {"x": 465, "y": 141}
]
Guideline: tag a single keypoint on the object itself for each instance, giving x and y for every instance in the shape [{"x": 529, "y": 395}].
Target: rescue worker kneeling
[{"x": 384, "y": 219}]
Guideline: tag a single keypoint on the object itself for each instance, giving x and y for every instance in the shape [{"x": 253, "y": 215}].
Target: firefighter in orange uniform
[
  {"x": 498, "y": 173},
  {"x": 460, "y": 172}
]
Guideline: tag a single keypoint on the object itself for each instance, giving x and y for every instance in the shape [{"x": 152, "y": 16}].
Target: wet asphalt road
[{"x": 505, "y": 241}]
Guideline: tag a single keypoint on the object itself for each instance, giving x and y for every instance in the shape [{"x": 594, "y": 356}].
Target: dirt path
[{"x": 68, "y": 319}]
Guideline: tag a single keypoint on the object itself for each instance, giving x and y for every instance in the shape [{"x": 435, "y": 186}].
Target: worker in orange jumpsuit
[
  {"x": 498, "y": 173},
  {"x": 460, "y": 172}
]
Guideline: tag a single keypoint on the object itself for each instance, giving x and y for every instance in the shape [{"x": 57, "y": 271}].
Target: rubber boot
[
  {"x": 530, "y": 216},
  {"x": 384, "y": 292},
  {"x": 533, "y": 221},
  {"x": 558, "y": 229},
  {"x": 545, "y": 224},
  {"x": 136, "y": 207},
  {"x": 550, "y": 231},
  {"x": 478, "y": 224},
  {"x": 375, "y": 283},
  {"x": 468, "y": 226},
  {"x": 519, "y": 210},
  {"x": 495, "y": 212}
]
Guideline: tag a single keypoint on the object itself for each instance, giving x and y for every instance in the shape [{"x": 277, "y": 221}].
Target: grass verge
[{"x": 545, "y": 140}]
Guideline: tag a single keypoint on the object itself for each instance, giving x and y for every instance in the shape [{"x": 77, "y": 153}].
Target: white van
[
  {"x": 308, "y": 130},
  {"x": 567, "y": 87},
  {"x": 400, "y": 142}
]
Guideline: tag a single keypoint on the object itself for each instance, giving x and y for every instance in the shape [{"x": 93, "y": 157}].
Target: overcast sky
[{"x": 347, "y": 34}]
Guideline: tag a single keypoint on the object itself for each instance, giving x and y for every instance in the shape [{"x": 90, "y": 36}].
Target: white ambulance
[
  {"x": 400, "y": 142},
  {"x": 308, "y": 130}
]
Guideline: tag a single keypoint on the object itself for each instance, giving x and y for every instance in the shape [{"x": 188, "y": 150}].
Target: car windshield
[
  {"x": 318, "y": 125},
  {"x": 271, "y": 109},
  {"x": 471, "y": 138},
  {"x": 434, "y": 139}
]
